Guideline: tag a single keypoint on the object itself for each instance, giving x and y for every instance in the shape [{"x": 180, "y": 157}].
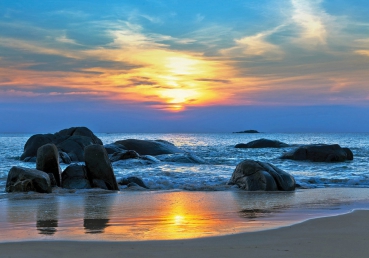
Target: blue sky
[{"x": 184, "y": 66}]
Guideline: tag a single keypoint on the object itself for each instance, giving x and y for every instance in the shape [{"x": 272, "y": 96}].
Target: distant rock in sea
[
  {"x": 320, "y": 153},
  {"x": 253, "y": 175},
  {"x": 247, "y": 131},
  {"x": 262, "y": 143},
  {"x": 69, "y": 142}
]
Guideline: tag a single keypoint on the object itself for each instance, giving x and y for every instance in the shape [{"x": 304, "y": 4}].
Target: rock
[
  {"x": 48, "y": 161},
  {"x": 25, "y": 179},
  {"x": 253, "y": 175},
  {"x": 248, "y": 131},
  {"x": 99, "y": 167},
  {"x": 114, "y": 147},
  {"x": 71, "y": 141},
  {"x": 181, "y": 158},
  {"x": 262, "y": 143},
  {"x": 150, "y": 147},
  {"x": 132, "y": 180},
  {"x": 64, "y": 157},
  {"x": 319, "y": 153},
  {"x": 75, "y": 177},
  {"x": 52, "y": 180},
  {"x": 131, "y": 154}
]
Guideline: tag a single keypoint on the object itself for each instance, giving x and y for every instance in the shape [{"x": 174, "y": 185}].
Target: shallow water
[{"x": 136, "y": 216}]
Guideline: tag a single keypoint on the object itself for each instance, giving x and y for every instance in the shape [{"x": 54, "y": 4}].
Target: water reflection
[
  {"x": 47, "y": 217},
  {"x": 253, "y": 205},
  {"x": 97, "y": 213}
]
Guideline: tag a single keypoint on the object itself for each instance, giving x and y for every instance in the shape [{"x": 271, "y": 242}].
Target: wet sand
[{"x": 338, "y": 236}]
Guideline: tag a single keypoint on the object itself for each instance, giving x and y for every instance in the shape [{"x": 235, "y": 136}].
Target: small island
[{"x": 248, "y": 131}]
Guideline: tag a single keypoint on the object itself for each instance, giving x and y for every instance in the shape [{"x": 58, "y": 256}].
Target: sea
[{"x": 187, "y": 200}]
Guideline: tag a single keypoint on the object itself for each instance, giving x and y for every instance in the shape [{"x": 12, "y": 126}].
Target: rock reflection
[
  {"x": 47, "y": 217},
  {"x": 253, "y": 205},
  {"x": 97, "y": 210}
]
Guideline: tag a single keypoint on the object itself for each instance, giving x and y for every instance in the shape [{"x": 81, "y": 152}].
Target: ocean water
[
  {"x": 221, "y": 159},
  {"x": 186, "y": 200}
]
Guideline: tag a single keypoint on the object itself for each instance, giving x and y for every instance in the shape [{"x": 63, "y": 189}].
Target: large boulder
[
  {"x": 70, "y": 143},
  {"x": 262, "y": 143},
  {"x": 320, "y": 153},
  {"x": 75, "y": 177},
  {"x": 253, "y": 175},
  {"x": 25, "y": 179},
  {"x": 99, "y": 169},
  {"x": 149, "y": 147},
  {"x": 48, "y": 161}
]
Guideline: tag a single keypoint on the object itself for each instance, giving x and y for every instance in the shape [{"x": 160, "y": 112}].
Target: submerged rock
[
  {"x": 25, "y": 179},
  {"x": 149, "y": 147},
  {"x": 253, "y": 175},
  {"x": 48, "y": 161},
  {"x": 320, "y": 153},
  {"x": 181, "y": 158},
  {"x": 262, "y": 143},
  {"x": 70, "y": 141},
  {"x": 99, "y": 169}
]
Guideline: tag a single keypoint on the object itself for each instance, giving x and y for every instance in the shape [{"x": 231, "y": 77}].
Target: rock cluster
[
  {"x": 253, "y": 175},
  {"x": 70, "y": 144},
  {"x": 97, "y": 172},
  {"x": 320, "y": 153}
]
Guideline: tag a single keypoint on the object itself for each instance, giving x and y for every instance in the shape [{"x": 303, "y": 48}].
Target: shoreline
[
  {"x": 145, "y": 216},
  {"x": 344, "y": 235}
]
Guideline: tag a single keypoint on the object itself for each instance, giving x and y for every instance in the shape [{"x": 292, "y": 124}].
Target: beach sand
[{"x": 338, "y": 236}]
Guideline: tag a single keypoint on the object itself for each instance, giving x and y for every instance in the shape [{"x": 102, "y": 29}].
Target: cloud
[{"x": 312, "y": 21}]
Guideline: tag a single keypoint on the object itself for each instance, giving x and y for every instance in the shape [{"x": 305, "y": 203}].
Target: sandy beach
[{"x": 339, "y": 236}]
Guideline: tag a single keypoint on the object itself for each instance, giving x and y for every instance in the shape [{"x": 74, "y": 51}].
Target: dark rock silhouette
[
  {"x": 247, "y": 131},
  {"x": 75, "y": 177},
  {"x": 320, "y": 153},
  {"x": 262, "y": 143},
  {"x": 25, "y": 179},
  {"x": 48, "y": 161},
  {"x": 253, "y": 175},
  {"x": 99, "y": 169},
  {"x": 149, "y": 147},
  {"x": 130, "y": 154},
  {"x": 70, "y": 143},
  {"x": 135, "y": 180}
]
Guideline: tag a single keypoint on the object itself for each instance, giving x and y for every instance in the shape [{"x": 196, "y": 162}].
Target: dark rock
[
  {"x": 99, "y": 167},
  {"x": 71, "y": 141},
  {"x": 99, "y": 183},
  {"x": 114, "y": 147},
  {"x": 75, "y": 177},
  {"x": 181, "y": 158},
  {"x": 64, "y": 157},
  {"x": 129, "y": 180},
  {"x": 262, "y": 143},
  {"x": 248, "y": 131},
  {"x": 35, "y": 142},
  {"x": 150, "y": 147},
  {"x": 253, "y": 175},
  {"x": 52, "y": 180},
  {"x": 131, "y": 154},
  {"x": 25, "y": 179},
  {"x": 319, "y": 153},
  {"x": 48, "y": 161}
]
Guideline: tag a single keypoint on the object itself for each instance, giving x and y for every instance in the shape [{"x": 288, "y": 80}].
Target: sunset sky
[{"x": 184, "y": 66}]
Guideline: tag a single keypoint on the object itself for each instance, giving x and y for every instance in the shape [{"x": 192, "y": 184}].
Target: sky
[{"x": 184, "y": 66}]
